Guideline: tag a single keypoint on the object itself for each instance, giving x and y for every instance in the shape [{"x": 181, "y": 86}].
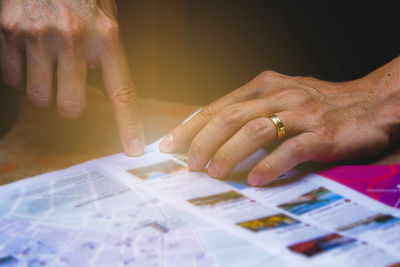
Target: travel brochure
[{"x": 152, "y": 211}]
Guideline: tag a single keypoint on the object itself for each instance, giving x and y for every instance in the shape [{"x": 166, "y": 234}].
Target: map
[
  {"x": 152, "y": 211},
  {"x": 86, "y": 217}
]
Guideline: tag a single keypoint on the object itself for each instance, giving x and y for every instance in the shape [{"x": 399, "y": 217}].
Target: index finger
[
  {"x": 122, "y": 94},
  {"x": 181, "y": 137}
]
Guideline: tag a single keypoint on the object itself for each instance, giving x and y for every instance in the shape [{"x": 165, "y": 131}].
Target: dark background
[
  {"x": 224, "y": 44},
  {"x": 195, "y": 51}
]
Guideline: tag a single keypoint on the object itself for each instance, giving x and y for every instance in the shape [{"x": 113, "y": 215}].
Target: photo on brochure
[
  {"x": 157, "y": 170},
  {"x": 319, "y": 245},
  {"x": 217, "y": 199},
  {"x": 370, "y": 223},
  {"x": 315, "y": 199},
  {"x": 269, "y": 222}
]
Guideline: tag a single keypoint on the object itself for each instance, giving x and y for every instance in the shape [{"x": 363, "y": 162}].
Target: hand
[
  {"x": 324, "y": 121},
  {"x": 59, "y": 40}
]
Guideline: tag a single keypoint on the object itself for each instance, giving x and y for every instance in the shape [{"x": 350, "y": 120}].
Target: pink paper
[{"x": 380, "y": 182}]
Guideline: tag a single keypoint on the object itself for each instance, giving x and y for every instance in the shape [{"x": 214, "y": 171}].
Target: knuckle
[
  {"x": 181, "y": 131},
  {"x": 131, "y": 125},
  {"x": 230, "y": 116},
  {"x": 109, "y": 30},
  {"x": 71, "y": 32},
  {"x": 125, "y": 94},
  {"x": 9, "y": 26},
  {"x": 196, "y": 147},
  {"x": 267, "y": 76},
  {"x": 208, "y": 112},
  {"x": 293, "y": 92},
  {"x": 286, "y": 94},
  {"x": 223, "y": 156},
  {"x": 257, "y": 128}
]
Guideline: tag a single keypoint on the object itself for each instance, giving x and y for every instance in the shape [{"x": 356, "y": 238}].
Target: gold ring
[{"x": 280, "y": 128}]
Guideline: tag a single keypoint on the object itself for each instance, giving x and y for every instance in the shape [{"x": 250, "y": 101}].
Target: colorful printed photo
[
  {"x": 315, "y": 199},
  {"x": 217, "y": 199},
  {"x": 270, "y": 222},
  {"x": 370, "y": 223},
  {"x": 157, "y": 170},
  {"x": 319, "y": 245}
]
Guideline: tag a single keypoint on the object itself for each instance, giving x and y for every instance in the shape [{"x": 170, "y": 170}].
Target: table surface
[{"x": 41, "y": 141}]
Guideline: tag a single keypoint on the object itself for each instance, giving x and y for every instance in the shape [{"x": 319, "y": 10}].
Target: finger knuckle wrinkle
[
  {"x": 181, "y": 131},
  {"x": 230, "y": 116},
  {"x": 223, "y": 156},
  {"x": 208, "y": 112},
  {"x": 71, "y": 107},
  {"x": 39, "y": 98},
  {"x": 131, "y": 125},
  {"x": 196, "y": 147},
  {"x": 125, "y": 95},
  {"x": 257, "y": 128}
]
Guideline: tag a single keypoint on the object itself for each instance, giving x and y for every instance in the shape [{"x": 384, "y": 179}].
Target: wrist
[{"x": 384, "y": 88}]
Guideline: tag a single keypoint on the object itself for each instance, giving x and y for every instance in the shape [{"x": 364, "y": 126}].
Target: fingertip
[
  {"x": 192, "y": 163},
  {"x": 214, "y": 170},
  {"x": 131, "y": 136},
  {"x": 255, "y": 179},
  {"x": 166, "y": 145},
  {"x": 135, "y": 148}
]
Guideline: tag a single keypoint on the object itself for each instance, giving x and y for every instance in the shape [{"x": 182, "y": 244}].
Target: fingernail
[
  {"x": 255, "y": 179},
  {"x": 214, "y": 170},
  {"x": 135, "y": 147},
  {"x": 192, "y": 163},
  {"x": 166, "y": 143}
]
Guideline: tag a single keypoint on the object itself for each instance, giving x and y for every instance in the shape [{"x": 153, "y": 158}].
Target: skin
[
  {"x": 324, "y": 121},
  {"x": 47, "y": 42}
]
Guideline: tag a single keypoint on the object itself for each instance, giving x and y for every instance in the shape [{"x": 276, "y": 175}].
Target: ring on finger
[{"x": 280, "y": 128}]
